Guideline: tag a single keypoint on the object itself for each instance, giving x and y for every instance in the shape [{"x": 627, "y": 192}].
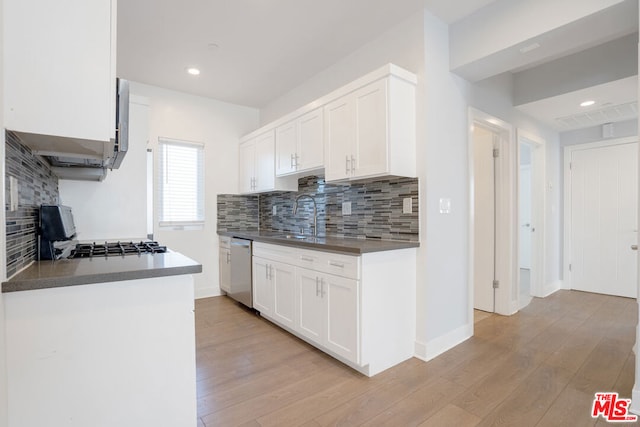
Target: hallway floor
[{"x": 541, "y": 367}]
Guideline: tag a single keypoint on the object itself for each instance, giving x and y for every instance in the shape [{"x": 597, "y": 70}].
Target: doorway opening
[
  {"x": 531, "y": 217},
  {"x": 492, "y": 246}
]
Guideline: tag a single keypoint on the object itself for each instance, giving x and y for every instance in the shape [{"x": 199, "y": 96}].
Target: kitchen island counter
[
  {"x": 342, "y": 245},
  {"x": 99, "y": 269}
]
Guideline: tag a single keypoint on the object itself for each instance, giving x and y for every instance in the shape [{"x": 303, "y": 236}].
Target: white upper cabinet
[
  {"x": 370, "y": 132},
  {"x": 364, "y": 129},
  {"x": 257, "y": 166},
  {"x": 59, "y": 61},
  {"x": 300, "y": 144},
  {"x": 286, "y": 147}
]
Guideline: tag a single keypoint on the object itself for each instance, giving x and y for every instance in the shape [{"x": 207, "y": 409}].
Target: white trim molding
[
  {"x": 506, "y": 242},
  {"x": 437, "y": 346}
]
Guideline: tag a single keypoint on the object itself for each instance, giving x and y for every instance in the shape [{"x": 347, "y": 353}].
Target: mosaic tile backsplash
[
  {"x": 36, "y": 185},
  {"x": 238, "y": 212},
  {"x": 376, "y": 209}
]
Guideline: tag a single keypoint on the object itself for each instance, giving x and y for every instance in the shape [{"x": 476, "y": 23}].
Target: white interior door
[
  {"x": 604, "y": 194},
  {"x": 484, "y": 219}
]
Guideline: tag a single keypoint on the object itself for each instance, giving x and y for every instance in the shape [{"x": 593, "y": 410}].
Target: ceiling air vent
[{"x": 609, "y": 114}]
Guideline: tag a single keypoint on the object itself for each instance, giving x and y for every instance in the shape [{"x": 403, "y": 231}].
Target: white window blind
[{"x": 180, "y": 183}]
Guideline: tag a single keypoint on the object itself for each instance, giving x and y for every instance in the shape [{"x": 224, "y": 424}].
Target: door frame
[
  {"x": 567, "y": 153},
  {"x": 538, "y": 210},
  {"x": 506, "y": 300}
]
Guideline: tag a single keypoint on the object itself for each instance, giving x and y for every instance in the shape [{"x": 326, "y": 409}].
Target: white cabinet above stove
[{"x": 60, "y": 80}]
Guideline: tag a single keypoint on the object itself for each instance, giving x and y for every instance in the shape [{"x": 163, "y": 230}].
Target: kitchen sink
[{"x": 296, "y": 236}]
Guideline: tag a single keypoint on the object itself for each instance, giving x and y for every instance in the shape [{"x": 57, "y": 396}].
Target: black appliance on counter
[{"x": 57, "y": 230}]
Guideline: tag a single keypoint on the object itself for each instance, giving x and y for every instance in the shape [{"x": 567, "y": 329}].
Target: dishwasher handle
[{"x": 241, "y": 242}]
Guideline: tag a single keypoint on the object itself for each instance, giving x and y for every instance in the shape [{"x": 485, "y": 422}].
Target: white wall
[
  {"x": 3, "y": 354},
  {"x": 219, "y": 126},
  {"x": 115, "y": 208},
  {"x": 421, "y": 44},
  {"x": 402, "y": 45},
  {"x": 594, "y": 133}
]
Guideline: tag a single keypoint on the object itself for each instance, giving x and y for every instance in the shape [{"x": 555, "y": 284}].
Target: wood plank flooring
[{"x": 540, "y": 367}]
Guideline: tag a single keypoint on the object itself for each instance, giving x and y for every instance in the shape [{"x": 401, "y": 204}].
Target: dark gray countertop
[
  {"x": 343, "y": 245},
  {"x": 84, "y": 271}
]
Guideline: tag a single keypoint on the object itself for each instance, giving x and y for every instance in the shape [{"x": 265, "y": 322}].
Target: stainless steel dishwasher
[{"x": 240, "y": 288}]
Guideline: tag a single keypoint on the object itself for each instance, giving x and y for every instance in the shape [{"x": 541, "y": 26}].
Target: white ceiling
[
  {"x": 614, "y": 102},
  {"x": 251, "y": 51},
  {"x": 451, "y": 10}
]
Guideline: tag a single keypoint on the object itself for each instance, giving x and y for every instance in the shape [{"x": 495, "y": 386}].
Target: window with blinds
[{"x": 180, "y": 183}]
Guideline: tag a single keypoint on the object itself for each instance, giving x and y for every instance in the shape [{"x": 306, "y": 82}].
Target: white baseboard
[
  {"x": 553, "y": 287},
  {"x": 437, "y": 346},
  {"x": 207, "y": 292}
]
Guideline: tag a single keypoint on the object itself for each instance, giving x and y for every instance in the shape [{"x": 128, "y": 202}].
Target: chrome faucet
[{"x": 315, "y": 211}]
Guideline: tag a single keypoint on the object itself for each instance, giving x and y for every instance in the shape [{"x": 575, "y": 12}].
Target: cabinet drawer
[
  {"x": 340, "y": 265},
  {"x": 284, "y": 254},
  {"x": 225, "y": 242}
]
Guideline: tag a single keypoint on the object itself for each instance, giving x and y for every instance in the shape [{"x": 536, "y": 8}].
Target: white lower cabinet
[
  {"x": 284, "y": 293},
  {"x": 359, "y": 309},
  {"x": 274, "y": 290},
  {"x": 224, "y": 263},
  {"x": 311, "y": 305},
  {"x": 329, "y": 311}
]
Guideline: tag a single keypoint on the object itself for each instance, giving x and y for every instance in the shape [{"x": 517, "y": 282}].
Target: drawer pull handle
[
  {"x": 304, "y": 258},
  {"x": 336, "y": 264},
  {"x": 317, "y": 285}
]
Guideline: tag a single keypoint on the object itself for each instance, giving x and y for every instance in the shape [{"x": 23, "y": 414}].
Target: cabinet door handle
[
  {"x": 317, "y": 285},
  {"x": 266, "y": 271},
  {"x": 228, "y": 257},
  {"x": 304, "y": 258},
  {"x": 347, "y": 167},
  {"x": 353, "y": 164},
  {"x": 336, "y": 264},
  {"x": 291, "y": 160}
]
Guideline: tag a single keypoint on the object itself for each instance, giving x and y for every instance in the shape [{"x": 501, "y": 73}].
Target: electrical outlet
[
  {"x": 274, "y": 210},
  {"x": 407, "y": 205},
  {"x": 346, "y": 208},
  {"x": 14, "y": 196}
]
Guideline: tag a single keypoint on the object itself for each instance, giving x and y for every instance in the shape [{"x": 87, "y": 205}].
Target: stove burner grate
[{"x": 106, "y": 249}]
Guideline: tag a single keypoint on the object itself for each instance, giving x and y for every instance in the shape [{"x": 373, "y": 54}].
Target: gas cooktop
[{"x": 88, "y": 250}]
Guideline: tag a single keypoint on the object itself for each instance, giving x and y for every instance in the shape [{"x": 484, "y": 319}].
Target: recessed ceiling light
[
  {"x": 193, "y": 71},
  {"x": 587, "y": 103}
]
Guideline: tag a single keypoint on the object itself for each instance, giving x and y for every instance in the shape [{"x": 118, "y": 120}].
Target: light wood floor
[{"x": 541, "y": 367}]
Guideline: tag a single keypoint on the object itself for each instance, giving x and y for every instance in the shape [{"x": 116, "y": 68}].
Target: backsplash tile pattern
[
  {"x": 37, "y": 185},
  {"x": 238, "y": 212},
  {"x": 376, "y": 209}
]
